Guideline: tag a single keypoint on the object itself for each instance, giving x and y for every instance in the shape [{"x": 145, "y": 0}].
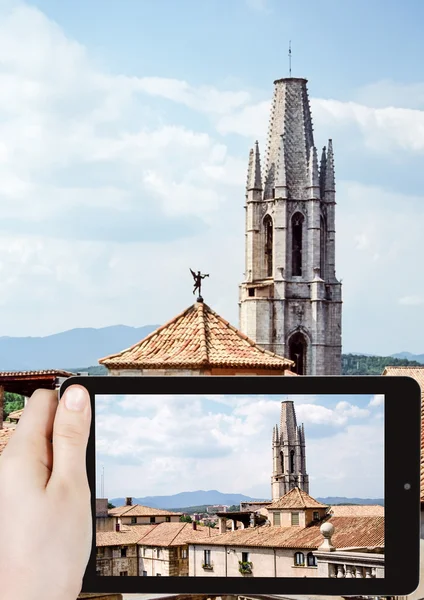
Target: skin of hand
[{"x": 45, "y": 511}]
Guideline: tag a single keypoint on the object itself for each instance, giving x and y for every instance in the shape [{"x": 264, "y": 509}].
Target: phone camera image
[{"x": 240, "y": 486}]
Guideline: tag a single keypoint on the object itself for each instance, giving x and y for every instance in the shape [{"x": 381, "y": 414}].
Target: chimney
[
  {"x": 1, "y": 406},
  {"x": 194, "y": 525},
  {"x": 128, "y": 502}
]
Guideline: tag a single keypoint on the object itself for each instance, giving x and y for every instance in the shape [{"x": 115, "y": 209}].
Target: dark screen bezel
[{"x": 402, "y": 425}]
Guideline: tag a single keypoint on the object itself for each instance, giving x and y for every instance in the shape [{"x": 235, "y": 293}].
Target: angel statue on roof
[{"x": 198, "y": 283}]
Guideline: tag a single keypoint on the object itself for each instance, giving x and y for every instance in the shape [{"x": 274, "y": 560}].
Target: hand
[{"x": 45, "y": 512}]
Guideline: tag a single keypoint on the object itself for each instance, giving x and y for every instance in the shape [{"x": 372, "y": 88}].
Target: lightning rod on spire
[{"x": 290, "y": 57}]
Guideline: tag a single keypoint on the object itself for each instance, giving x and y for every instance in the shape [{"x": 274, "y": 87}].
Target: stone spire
[
  {"x": 275, "y": 438},
  {"x": 291, "y": 117},
  {"x": 330, "y": 185},
  {"x": 254, "y": 179},
  {"x": 288, "y": 423},
  {"x": 280, "y": 177}
]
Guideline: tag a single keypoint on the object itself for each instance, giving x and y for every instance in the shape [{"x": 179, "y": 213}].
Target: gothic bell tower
[
  {"x": 289, "y": 454},
  {"x": 290, "y": 300}
]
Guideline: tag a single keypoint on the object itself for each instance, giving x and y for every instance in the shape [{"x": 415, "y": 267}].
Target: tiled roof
[
  {"x": 127, "y": 536},
  {"x": 15, "y": 415},
  {"x": 35, "y": 373},
  {"x": 358, "y": 532},
  {"x": 137, "y": 510},
  {"x": 358, "y": 510},
  {"x": 296, "y": 498},
  {"x": 416, "y": 373},
  {"x": 162, "y": 534},
  {"x": 5, "y": 435},
  {"x": 196, "y": 338}
]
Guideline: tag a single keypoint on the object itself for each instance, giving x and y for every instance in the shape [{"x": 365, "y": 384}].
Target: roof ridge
[
  {"x": 246, "y": 338},
  {"x": 150, "y": 335},
  {"x": 178, "y": 533},
  {"x": 201, "y": 317}
]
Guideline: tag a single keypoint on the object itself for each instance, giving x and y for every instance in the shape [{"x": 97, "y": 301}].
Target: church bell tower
[
  {"x": 289, "y": 454},
  {"x": 290, "y": 299}
]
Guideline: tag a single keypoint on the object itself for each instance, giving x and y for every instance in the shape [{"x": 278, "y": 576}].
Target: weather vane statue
[{"x": 198, "y": 283}]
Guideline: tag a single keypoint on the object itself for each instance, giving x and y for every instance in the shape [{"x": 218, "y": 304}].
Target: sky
[
  {"x": 125, "y": 129},
  {"x": 159, "y": 445}
]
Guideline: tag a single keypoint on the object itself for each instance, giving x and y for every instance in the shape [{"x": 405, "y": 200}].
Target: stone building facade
[
  {"x": 289, "y": 454},
  {"x": 290, "y": 299}
]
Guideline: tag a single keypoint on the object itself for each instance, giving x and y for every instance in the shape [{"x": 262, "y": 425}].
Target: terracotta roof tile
[
  {"x": 196, "y": 338},
  {"x": 416, "y": 373},
  {"x": 296, "y": 498},
  {"x": 137, "y": 510},
  {"x": 35, "y": 373},
  {"x": 5, "y": 435},
  {"x": 129, "y": 535},
  {"x": 358, "y": 532},
  {"x": 162, "y": 534},
  {"x": 15, "y": 415},
  {"x": 358, "y": 510}
]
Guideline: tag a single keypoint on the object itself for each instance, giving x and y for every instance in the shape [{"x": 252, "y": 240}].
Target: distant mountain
[
  {"x": 69, "y": 349},
  {"x": 208, "y": 498},
  {"x": 341, "y": 500},
  {"x": 80, "y": 349},
  {"x": 415, "y": 357},
  {"x": 186, "y": 499}
]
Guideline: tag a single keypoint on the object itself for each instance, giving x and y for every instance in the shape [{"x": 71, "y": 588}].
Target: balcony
[
  {"x": 245, "y": 568},
  {"x": 359, "y": 565},
  {"x": 207, "y": 566}
]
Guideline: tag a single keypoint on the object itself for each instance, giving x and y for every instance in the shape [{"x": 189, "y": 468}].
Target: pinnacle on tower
[
  {"x": 254, "y": 179},
  {"x": 330, "y": 185},
  {"x": 313, "y": 168},
  {"x": 322, "y": 171},
  {"x": 275, "y": 438}
]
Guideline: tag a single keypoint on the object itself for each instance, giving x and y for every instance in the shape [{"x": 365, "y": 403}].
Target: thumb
[{"x": 70, "y": 436}]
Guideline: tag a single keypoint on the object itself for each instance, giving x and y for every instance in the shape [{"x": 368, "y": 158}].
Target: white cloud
[
  {"x": 209, "y": 448},
  {"x": 411, "y": 300},
  {"x": 377, "y": 400}
]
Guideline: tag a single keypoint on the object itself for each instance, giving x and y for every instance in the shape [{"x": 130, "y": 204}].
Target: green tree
[
  {"x": 109, "y": 505},
  {"x": 234, "y": 508},
  {"x": 12, "y": 402},
  {"x": 186, "y": 519}
]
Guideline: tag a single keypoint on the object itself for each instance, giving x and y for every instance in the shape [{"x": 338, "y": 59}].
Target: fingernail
[{"x": 76, "y": 398}]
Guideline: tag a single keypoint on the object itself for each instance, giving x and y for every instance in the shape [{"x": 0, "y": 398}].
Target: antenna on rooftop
[{"x": 290, "y": 58}]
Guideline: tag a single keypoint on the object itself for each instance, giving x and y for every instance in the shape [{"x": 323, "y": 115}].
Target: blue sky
[
  {"x": 166, "y": 444},
  {"x": 125, "y": 129}
]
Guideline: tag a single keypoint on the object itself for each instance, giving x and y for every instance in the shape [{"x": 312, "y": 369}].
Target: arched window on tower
[
  {"x": 323, "y": 247},
  {"x": 297, "y": 241},
  {"x": 291, "y": 461},
  {"x": 311, "y": 560},
  {"x": 269, "y": 234},
  {"x": 297, "y": 352}
]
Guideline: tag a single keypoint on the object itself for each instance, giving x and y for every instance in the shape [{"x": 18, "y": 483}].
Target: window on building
[
  {"x": 277, "y": 519},
  {"x": 157, "y": 552},
  {"x": 251, "y": 292},
  {"x": 244, "y": 557},
  {"x": 123, "y": 573},
  {"x": 152, "y": 519},
  {"x": 158, "y": 574},
  {"x": 269, "y": 231},
  {"x": 291, "y": 461},
  {"x": 98, "y": 572},
  {"x": 184, "y": 553},
  {"x": 168, "y": 519},
  {"x": 124, "y": 551},
  {"x": 144, "y": 550},
  {"x": 100, "y": 551},
  {"x": 323, "y": 247},
  {"x": 295, "y": 518},
  {"x": 315, "y": 515},
  {"x": 144, "y": 573},
  {"x": 133, "y": 520},
  {"x": 311, "y": 560},
  {"x": 298, "y": 352},
  {"x": 297, "y": 241},
  {"x": 207, "y": 558},
  {"x": 299, "y": 559}
]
